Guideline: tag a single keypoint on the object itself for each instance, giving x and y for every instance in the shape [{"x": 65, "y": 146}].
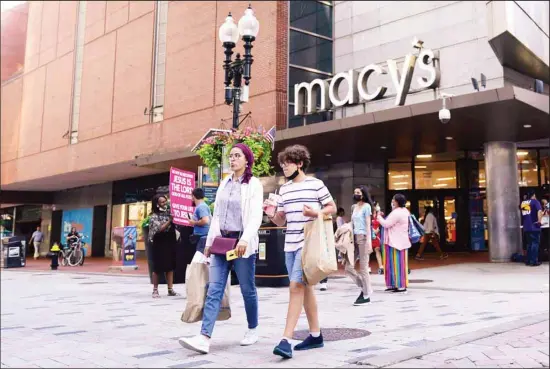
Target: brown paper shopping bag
[
  {"x": 196, "y": 283},
  {"x": 318, "y": 254}
]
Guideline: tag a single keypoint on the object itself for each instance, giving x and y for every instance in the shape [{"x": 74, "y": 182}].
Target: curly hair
[{"x": 295, "y": 154}]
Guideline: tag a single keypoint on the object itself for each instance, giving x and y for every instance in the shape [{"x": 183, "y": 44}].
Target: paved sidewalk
[
  {"x": 519, "y": 348},
  {"x": 53, "y": 319}
]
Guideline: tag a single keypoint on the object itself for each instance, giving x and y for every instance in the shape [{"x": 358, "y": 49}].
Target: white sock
[
  {"x": 315, "y": 334},
  {"x": 285, "y": 338}
]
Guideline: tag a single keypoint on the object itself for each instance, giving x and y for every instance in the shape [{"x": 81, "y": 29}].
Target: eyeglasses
[
  {"x": 235, "y": 156},
  {"x": 284, "y": 165}
]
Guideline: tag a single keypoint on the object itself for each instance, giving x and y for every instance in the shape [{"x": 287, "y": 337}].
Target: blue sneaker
[
  {"x": 310, "y": 343},
  {"x": 283, "y": 349}
]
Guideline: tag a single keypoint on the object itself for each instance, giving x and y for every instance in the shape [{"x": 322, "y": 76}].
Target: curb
[
  {"x": 396, "y": 357},
  {"x": 121, "y": 274}
]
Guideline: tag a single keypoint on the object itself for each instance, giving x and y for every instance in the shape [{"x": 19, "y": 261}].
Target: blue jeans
[
  {"x": 201, "y": 244},
  {"x": 245, "y": 268},
  {"x": 533, "y": 242}
]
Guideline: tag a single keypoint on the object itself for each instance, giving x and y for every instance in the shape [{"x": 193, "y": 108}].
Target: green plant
[{"x": 211, "y": 150}]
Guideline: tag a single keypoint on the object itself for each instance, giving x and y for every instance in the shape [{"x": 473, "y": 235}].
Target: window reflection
[
  {"x": 435, "y": 175},
  {"x": 527, "y": 168},
  {"x": 545, "y": 166},
  {"x": 400, "y": 176},
  {"x": 311, "y": 16}
]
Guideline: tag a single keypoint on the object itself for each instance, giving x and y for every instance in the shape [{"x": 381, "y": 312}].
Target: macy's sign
[{"x": 306, "y": 94}]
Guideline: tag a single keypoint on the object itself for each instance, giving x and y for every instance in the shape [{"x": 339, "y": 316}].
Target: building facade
[{"x": 112, "y": 94}]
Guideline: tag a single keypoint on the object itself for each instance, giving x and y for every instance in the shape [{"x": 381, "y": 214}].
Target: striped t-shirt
[{"x": 293, "y": 197}]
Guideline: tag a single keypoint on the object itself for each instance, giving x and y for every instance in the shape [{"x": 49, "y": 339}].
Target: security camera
[{"x": 444, "y": 113}]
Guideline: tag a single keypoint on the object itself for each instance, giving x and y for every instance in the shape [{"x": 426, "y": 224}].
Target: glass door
[{"x": 449, "y": 220}]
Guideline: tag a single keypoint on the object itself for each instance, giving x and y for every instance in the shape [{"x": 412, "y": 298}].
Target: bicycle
[{"x": 72, "y": 255}]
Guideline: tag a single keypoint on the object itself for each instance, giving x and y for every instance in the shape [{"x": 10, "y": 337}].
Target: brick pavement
[{"x": 67, "y": 320}]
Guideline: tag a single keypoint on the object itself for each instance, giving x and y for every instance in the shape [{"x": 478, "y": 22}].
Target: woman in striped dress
[{"x": 396, "y": 245}]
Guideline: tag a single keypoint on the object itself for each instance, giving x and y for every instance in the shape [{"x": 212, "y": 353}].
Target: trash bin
[
  {"x": 14, "y": 249},
  {"x": 270, "y": 263}
]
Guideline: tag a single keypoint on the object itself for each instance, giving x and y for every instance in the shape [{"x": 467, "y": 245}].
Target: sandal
[
  {"x": 171, "y": 292},
  {"x": 156, "y": 293}
]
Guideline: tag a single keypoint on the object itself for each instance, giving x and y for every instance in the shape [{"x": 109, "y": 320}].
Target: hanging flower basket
[{"x": 211, "y": 149}]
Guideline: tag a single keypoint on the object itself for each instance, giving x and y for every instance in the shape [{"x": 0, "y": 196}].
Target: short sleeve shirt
[
  {"x": 293, "y": 197},
  {"x": 529, "y": 215},
  {"x": 201, "y": 211},
  {"x": 359, "y": 219}
]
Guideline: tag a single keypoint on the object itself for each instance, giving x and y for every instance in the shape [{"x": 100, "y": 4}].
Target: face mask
[
  {"x": 357, "y": 197},
  {"x": 392, "y": 205},
  {"x": 293, "y": 175},
  {"x": 163, "y": 209},
  {"x": 377, "y": 208}
]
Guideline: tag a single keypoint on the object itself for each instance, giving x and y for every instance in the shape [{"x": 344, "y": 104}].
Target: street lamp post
[{"x": 236, "y": 70}]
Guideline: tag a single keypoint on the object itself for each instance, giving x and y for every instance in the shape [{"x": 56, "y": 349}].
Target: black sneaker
[
  {"x": 310, "y": 343},
  {"x": 400, "y": 290},
  {"x": 361, "y": 300},
  {"x": 283, "y": 349},
  {"x": 390, "y": 290}
]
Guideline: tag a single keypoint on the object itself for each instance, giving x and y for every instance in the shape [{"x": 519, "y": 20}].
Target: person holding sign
[
  {"x": 162, "y": 237},
  {"x": 238, "y": 216}
]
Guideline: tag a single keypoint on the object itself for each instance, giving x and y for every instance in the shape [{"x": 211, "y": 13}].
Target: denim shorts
[{"x": 294, "y": 266}]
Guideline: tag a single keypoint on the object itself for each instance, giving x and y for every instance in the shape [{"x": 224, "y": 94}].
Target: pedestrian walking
[
  {"x": 238, "y": 216},
  {"x": 431, "y": 235},
  {"x": 162, "y": 239},
  {"x": 200, "y": 221},
  {"x": 376, "y": 237},
  {"x": 532, "y": 213},
  {"x": 396, "y": 245},
  {"x": 340, "y": 221},
  {"x": 362, "y": 235},
  {"x": 301, "y": 200},
  {"x": 36, "y": 240}
]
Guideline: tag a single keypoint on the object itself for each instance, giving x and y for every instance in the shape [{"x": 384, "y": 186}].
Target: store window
[
  {"x": 527, "y": 168},
  {"x": 545, "y": 166},
  {"x": 310, "y": 52},
  {"x": 435, "y": 175},
  {"x": 482, "y": 178},
  {"x": 131, "y": 215},
  {"x": 399, "y": 176}
]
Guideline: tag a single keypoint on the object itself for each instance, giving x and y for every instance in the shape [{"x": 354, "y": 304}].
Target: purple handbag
[{"x": 222, "y": 245}]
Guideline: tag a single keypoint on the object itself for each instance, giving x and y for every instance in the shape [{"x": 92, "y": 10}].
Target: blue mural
[{"x": 82, "y": 220}]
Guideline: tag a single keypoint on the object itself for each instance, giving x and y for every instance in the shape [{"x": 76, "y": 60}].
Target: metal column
[{"x": 502, "y": 200}]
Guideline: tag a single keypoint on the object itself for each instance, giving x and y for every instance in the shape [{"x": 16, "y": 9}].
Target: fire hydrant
[{"x": 54, "y": 253}]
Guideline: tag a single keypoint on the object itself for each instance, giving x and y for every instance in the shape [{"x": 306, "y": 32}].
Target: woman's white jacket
[{"x": 252, "y": 195}]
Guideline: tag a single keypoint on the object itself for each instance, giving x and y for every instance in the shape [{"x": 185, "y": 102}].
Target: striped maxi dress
[{"x": 395, "y": 265}]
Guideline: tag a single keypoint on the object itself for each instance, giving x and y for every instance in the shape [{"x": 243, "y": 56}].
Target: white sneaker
[
  {"x": 370, "y": 270},
  {"x": 323, "y": 286},
  {"x": 200, "y": 344},
  {"x": 250, "y": 338}
]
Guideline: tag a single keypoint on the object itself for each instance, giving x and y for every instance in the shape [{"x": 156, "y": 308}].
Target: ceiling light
[
  {"x": 527, "y": 126},
  {"x": 522, "y": 153},
  {"x": 401, "y": 176},
  {"x": 424, "y": 156},
  {"x": 448, "y": 138},
  {"x": 328, "y": 155},
  {"x": 420, "y": 167},
  {"x": 401, "y": 183},
  {"x": 446, "y": 179},
  {"x": 400, "y": 189},
  {"x": 383, "y": 147},
  {"x": 481, "y": 181},
  {"x": 440, "y": 185}
]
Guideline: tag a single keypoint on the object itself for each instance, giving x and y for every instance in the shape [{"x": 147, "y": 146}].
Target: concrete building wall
[{"x": 372, "y": 32}]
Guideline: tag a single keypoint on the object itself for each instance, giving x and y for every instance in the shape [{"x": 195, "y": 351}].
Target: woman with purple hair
[{"x": 237, "y": 214}]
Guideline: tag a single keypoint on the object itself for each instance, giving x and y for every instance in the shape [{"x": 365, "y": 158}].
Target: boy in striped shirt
[{"x": 301, "y": 200}]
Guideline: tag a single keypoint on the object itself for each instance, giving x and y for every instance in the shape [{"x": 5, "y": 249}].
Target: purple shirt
[{"x": 529, "y": 215}]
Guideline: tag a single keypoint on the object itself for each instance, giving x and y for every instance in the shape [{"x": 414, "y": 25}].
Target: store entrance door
[{"x": 450, "y": 209}]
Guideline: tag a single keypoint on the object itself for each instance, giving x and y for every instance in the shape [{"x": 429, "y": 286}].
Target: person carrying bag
[{"x": 232, "y": 242}]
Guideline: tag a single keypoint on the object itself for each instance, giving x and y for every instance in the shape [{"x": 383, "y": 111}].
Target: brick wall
[{"x": 116, "y": 85}]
